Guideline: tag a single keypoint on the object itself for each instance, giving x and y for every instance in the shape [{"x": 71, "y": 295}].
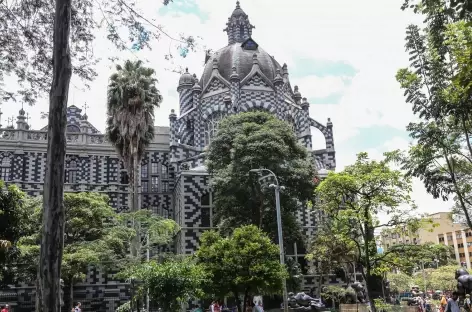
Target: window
[
  {"x": 211, "y": 126},
  {"x": 250, "y": 45},
  {"x": 205, "y": 210},
  {"x": 441, "y": 239},
  {"x": 124, "y": 178},
  {"x": 154, "y": 184},
  {"x": 154, "y": 168},
  {"x": 241, "y": 31},
  {"x": 469, "y": 244},
  {"x": 164, "y": 172},
  {"x": 72, "y": 128},
  {"x": 5, "y": 169},
  {"x": 165, "y": 186},
  {"x": 144, "y": 171},
  {"x": 72, "y": 170},
  {"x": 449, "y": 237},
  {"x": 144, "y": 186},
  {"x": 459, "y": 236}
]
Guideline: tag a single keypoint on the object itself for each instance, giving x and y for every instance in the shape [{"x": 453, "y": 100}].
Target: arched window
[
  {"x": 205, "y": 207},
  {"x": 72, "y": 172},
  {"x": 211, "y": 126},
  {"x": 72, "y": 128},
  {"x": 5, "y": 169}
]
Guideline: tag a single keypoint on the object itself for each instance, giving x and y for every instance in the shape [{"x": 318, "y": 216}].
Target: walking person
[
  {"x": 453, "y": 303},
  {"x": 77, "y": 307}
]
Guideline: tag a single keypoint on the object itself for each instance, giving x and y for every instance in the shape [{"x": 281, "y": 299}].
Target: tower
[{"x": 238, "y": 27}]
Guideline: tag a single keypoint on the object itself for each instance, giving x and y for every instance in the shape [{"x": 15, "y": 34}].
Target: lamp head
[{"x": 255, "y": 170}]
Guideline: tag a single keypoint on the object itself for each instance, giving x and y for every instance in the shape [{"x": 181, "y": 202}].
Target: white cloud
[{"x": 320, "y": 87}]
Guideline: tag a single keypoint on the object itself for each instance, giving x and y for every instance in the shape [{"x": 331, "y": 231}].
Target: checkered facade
[{"x": 174, "y": 181}]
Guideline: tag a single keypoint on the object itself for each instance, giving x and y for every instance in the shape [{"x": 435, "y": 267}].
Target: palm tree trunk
[
  {"x": 134, "y": 204},
  {"x": 52, "y": 238}
]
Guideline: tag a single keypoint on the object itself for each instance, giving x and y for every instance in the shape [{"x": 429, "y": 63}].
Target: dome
[
  {"x": 238, "y": 11},
  {"x": 186, "y": 79},
  {"x": 235, "y": 55}
]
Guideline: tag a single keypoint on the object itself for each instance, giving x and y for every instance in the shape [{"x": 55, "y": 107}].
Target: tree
[
  {"x": 34, "y": 46},
  {"x": 132, "y": 97},
  {"x": 399, "y": 282},
  {"x": 437, "y": 84},
  {"x": 255, "y": 140},
  {"x": 444, "y": 279},
  {"x": 334, "y": 293},
  {"x": 171, "y": 283},
  {"x": 15, "y": 222},
  {"x": 88, "y": 239},
  {"x": 244, "y": 264},
  {"x": 355, "y": 196},
  {"x": 153, "y": 230},
  {"x": 331, "y": 248}
]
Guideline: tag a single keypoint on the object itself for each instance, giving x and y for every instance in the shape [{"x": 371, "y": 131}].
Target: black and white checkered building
[{"x": 240, "y": 77}]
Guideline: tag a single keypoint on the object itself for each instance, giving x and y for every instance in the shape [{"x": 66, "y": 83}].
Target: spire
[{"x": 238, "y": 27}]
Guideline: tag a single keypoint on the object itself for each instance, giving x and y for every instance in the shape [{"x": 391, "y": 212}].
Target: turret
[
  {"x": 238, "y": 27},
  {"x": 186, "y": 83}
]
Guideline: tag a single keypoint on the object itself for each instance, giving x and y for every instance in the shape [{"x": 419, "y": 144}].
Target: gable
[
  {"x": 215, "y": 85},
  {"x": 249, "y": 44},
  {"x": 257, "y": 81}
]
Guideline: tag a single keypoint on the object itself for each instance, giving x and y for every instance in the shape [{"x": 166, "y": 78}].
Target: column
[
  {"x": 456, "y": 249},
  {"x": 466, "y": 249}
]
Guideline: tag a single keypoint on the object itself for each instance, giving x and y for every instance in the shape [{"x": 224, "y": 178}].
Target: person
[
  {"x": 216, "y": 307},
  {"x": 467, "y": 304},
  {"x": 258, "y": 307},
  {"x": 443, "y": 303},
  {"x": 452, "y": 303},
  {"x": 6, "y": 308},
  {"x": 197, "y": 309},
  {"x": 212, "y": 306},
  {"x": 77, "y": 307}
]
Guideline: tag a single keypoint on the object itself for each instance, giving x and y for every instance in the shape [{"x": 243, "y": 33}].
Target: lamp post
[{"x": 277, "y": 188}]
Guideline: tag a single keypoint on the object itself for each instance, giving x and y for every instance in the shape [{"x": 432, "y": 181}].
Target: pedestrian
[
  {"x": 77, "y": 307},
  {"x": 467, "y": 304},
  {"x": 212, "y": 306},
  {"x": 452, "y": 303},
  {"x": 6, "y": 308},
  {"x": 443, "y": 303}
]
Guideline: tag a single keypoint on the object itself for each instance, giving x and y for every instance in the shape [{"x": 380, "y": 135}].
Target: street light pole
[{"x": 277, "y": 188}]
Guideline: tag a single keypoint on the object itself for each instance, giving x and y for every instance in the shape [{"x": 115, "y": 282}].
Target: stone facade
[{"x": 173, "y": 182}]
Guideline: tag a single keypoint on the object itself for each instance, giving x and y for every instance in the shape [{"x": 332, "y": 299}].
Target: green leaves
[
  {"x": 170, "y": 283},
  {"x": 438, "y": 85},
  {"x": 246, "y": 262},
  {"x": 250, "y": 141}
]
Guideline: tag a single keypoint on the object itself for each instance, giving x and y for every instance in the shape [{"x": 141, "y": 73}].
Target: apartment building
[
  {"x": 441, "y": 225},
  {"x": 461, "y": 240}
]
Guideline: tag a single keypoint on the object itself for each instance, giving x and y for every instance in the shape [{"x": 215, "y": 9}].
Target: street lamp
[{"x": 277, "y": 188}]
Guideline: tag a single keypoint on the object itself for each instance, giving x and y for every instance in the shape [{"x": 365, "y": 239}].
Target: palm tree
[{"x": 132, "y": 97}]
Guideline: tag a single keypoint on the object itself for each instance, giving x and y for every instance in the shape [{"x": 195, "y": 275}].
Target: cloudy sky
[{"x": 342, "y": 54}]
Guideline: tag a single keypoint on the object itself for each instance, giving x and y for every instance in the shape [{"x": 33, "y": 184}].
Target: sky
[{"x": 342, "y": 54}]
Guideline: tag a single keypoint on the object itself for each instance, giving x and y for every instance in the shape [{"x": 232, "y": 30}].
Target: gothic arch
[{"x": 258, "y": 105}]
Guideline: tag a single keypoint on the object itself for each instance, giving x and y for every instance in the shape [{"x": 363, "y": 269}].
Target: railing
[{"x": 42, "y": 136}]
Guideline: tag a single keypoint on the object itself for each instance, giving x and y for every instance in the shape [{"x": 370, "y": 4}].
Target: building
[
  {"x": 240, "y": 77},
  {"x": 461, "y": 240},
  {"x": 435, "y": 224}
]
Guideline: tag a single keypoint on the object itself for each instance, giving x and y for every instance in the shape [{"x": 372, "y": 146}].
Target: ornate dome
[
  {"x": 238, "y": 11},
  {"x": 235, "y": 55},
  {"x": 186, "y": 79}
]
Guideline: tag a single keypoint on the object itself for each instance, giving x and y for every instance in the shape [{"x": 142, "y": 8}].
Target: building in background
[
  {"x": 461, "y": 240},
  {"x": 441, "y": 222},
  {"x": 174, "y": 183}
]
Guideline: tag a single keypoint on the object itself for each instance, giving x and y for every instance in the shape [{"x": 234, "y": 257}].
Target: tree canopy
[
  {"x": 16, "y": 211},
  {"x": 244, "y": 264},
  {"x": 26, "y": 44},
  {"x": 170, "y": 283},
  {"x": 437, "y": 83},
  {"x": 356, "y": 196},
  {"x": 256, "y": 140}
]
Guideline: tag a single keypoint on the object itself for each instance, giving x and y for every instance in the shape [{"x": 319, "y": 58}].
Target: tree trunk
[
  {"x": 52, "y": 238},
  {"x": 245, "y": 299},
  {"x": 238, "y": 301},
  {"x": 71, "y": 294}
]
